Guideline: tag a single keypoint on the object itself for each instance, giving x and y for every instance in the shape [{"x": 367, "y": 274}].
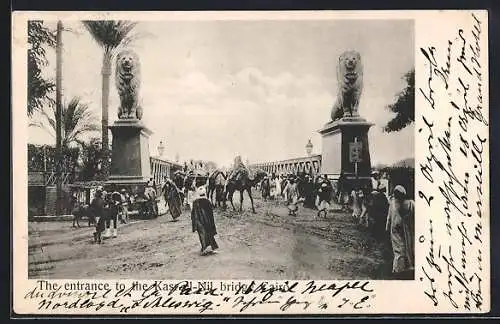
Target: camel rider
[{"x": 238, "y": 169}]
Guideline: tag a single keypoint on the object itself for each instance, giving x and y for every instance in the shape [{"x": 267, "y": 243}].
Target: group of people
[
  {"x": 202, "y": 213},
  {"x": 391, "y": 219},
  {"x": 107, "y": 208},
  {"x": 294, "y": 189}
]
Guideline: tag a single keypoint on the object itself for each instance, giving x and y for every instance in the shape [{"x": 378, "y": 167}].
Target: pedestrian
[
  {"x": 265, "y": 188},
  {"x": 401, "y": 227},
  {"x": 172, "y": 199},
  {"x": 309, "y": 192},
  {"x": 124, "y": 206},
  {"x": 292, "y": 196},
  {"x": 113, "y": 205},
  {"x": 150, "y": 195},
  {"x": 323, "y": 200},
  {"x": 378, "y": 207},
  {"x": 277, "y": 187},
  {"x": 202, "y": 220},
  {"x": 97, "y": 211},
  {"x": 356, "y": 205},
  {"x": 363, "y": 211}
]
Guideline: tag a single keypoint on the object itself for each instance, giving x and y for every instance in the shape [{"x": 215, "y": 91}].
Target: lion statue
[
  {"x": 350, "y": 85},
  {"x": 128, "y": 81}
]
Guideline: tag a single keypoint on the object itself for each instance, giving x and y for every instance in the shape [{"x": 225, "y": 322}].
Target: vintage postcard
[{"x": 217, "y": 163}]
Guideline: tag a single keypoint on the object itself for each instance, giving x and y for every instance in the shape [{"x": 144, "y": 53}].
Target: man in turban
[
  {"x": 239, "y": 169},
  {"x": 401, "y": 227},
  {"x": 202, "y": 219}
]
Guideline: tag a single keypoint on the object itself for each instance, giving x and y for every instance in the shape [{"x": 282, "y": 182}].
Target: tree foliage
[
  {"x": 111, "y": 35},
  {"x": 42, "y": 158},
  {"x": 404, "y": 107},
  {"x": 78, "y": 120},
  {"x": 92, "y": 161},
  {"x": 39, "y": 89}
]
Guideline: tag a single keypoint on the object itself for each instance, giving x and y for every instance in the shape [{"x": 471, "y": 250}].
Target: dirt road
[{"x": 267, "y": 245}]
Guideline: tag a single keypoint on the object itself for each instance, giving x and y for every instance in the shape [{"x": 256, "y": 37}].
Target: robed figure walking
[
  {"x": 172, "y": 198},
  {"x": 401, "y": 227},
  {"x": 202, "y": 218}
]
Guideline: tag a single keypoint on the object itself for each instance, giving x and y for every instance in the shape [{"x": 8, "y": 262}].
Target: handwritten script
[
  {"x": 454, "y": 130},
  {"x": 201, "y": 297}
]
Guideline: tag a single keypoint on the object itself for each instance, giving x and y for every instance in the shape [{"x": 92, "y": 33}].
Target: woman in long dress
[{"x": 401, "y": 226}]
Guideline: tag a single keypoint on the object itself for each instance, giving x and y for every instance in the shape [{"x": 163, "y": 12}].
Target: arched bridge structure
[{"x": 310, "y": 165}]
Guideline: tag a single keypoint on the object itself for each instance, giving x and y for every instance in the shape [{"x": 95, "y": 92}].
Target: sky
[{"x": 212, "y": 90}]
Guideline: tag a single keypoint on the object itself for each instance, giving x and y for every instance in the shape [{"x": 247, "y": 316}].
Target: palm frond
[
  {"x": 82, "y": 123},
  {"x": 110, "y": 34},
  {"x": 77, "y": 121},
  {"x": 48, "y": 130},
  {"x": 50, "y": 119}
]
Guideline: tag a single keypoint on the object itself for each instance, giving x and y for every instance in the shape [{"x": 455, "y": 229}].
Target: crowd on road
[{"x": 389, "y": 217}]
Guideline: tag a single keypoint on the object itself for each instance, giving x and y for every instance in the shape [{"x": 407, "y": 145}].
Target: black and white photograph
[
  {"x": 226, "y": 163},
  {"x": 221, "y": 149}
]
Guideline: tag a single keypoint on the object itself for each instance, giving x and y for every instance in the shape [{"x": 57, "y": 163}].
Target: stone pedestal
[
  {"x": 336, "y": 159},
  {"x": 130, "y": 160}
]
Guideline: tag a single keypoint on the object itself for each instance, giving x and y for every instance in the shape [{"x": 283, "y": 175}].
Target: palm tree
[
  {"x": 77, "y": 120},
  {"x": 111, "y": 35},
  {"x": 58, "y": 115}
]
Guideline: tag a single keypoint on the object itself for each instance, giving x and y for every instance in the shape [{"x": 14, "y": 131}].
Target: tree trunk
[
  {"x": 106, "y": 74},
  {"x": 59, "y": 195}
]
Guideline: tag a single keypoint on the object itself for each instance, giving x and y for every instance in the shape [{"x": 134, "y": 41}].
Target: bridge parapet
[{"x": 309, "y": 164}]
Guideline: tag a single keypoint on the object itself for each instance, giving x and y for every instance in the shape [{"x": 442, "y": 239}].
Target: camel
[
  {"x": 241, "y": 182},
  {"x": 215, "y": 184}
]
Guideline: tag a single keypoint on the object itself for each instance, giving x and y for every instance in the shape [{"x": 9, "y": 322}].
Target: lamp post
[{"x": 309, "y": 147}]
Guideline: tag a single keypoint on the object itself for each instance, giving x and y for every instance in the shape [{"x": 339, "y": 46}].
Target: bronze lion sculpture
[
  {"x": 128, "y": 81},
  {"x": 350, "y": 85}
]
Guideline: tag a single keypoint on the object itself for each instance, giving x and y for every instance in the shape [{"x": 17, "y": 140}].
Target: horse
[
  {"x": 215, "y": 184},
  {"x": 241, "y": 182}
]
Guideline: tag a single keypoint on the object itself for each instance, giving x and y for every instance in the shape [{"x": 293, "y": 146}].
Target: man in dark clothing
[
  {"x": 202, "y": 219},
  {"x": 323, "y": 200},
  {"x": 97, "y": 210},
  {"x": 309, "y": 193},
  {"x": 172, "y": 198},
  {"x": 114, "y": 205},
  {"x": 378, "y": 207}
]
